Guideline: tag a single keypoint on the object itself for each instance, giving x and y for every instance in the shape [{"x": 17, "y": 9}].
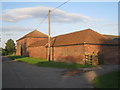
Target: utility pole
[{"x": 49, "y": 35}]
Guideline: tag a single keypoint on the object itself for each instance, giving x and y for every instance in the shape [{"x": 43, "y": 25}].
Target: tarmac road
[{"x": 22, "y": 75}]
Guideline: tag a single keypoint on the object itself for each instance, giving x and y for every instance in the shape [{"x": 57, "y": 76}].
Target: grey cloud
[{"x": 13, "y": 28}]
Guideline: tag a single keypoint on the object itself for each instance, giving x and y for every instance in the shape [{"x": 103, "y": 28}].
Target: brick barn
[
  {"x": 28, "y": 39},
  {"x": 71, "y": 47}
]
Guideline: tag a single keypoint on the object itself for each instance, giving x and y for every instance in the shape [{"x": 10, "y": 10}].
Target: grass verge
[
  {"x": 109, "y": 80},
  {"x": 45, "y": 63},
  {"x": 14, "y": 57}
]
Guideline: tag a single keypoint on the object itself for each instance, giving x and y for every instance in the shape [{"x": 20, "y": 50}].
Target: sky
[{"x": 20, "y": 18}]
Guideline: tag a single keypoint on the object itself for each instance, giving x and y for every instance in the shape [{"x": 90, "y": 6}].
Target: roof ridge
[
  {"x": 84, "y": 36},
  {"x": 110, "y": 35},
  {"x": 73, "y": 32},
  {"x": 35, "y": 32}
]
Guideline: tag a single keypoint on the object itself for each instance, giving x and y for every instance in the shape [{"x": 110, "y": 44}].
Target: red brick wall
[
  {"x": 76, "y": 53},
  {"x": 28, "y": 42},
  {"x": 68, "y": 54},
  {"x": 37, "y": 52},
  {"x": 110, "y": 53},
  {"x": 18, "y": 52},
  {"x": 60, "y": 54}
]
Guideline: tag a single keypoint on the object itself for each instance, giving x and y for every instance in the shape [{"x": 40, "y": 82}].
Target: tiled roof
[
  {"x": 85, "y": 36},
  {"x": 79, "y": 37},
  {"x": 39, "y": 43},
  {"x": 34, "y": 34},
  {"x": 111, "y": 36}
]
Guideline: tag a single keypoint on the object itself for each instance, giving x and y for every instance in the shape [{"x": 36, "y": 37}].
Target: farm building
[
  {"x": 71, "y": 47},
  {"x": 28, "y": 39}
]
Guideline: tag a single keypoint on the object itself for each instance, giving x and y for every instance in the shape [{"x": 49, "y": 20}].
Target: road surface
[{"x": 22, "y": 75}]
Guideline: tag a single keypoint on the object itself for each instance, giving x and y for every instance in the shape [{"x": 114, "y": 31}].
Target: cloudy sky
[{"x": 20, "y": 18}]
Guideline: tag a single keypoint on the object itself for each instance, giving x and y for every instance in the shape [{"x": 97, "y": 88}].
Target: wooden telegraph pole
[{"x": 49, "y": 35}]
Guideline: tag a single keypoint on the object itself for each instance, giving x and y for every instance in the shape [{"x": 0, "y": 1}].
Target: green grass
[
  {"x": 14, "y": 56},
  {"x": 45, "y": 63},
  {"x": 109, "y": 80}
]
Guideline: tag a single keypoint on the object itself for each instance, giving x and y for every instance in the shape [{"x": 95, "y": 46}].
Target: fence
[{"x": 91, "y": 59}]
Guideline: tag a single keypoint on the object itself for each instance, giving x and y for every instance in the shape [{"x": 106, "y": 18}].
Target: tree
[
  {"x": 3, "y": 52},
  {"x": 10, "y": 47}
]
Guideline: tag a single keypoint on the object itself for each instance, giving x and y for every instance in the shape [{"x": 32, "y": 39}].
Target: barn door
[{"x": 21, "y": 50}]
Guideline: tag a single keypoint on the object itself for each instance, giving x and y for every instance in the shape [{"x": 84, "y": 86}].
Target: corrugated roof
[
  {"x": 34, "y": 34},
  {"x": 79, "y": 37}
]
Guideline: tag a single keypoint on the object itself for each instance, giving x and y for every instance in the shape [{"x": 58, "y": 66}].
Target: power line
[
  {"x": 51, "y": 11},
  {"x": 60, "y": 5},
  {"x": 41, "y": 21}
]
